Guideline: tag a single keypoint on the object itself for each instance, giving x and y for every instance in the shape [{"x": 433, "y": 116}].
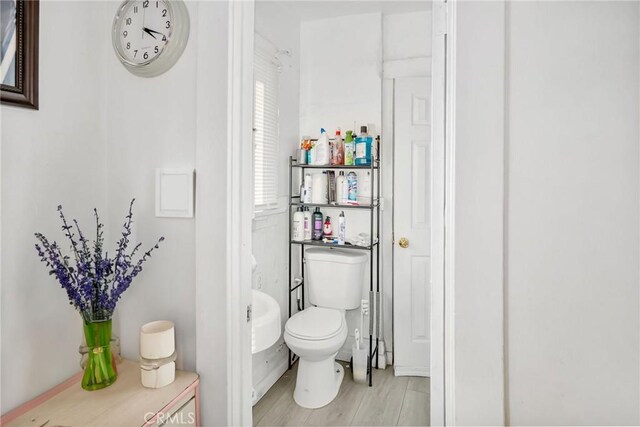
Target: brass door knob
[{"x": 403, "y": 242}]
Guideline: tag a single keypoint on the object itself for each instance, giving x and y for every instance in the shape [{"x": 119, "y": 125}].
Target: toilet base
[{"x": 317, "y": 382}]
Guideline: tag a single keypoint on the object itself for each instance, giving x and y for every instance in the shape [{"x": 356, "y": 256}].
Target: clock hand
[
  {"x": 153, "y": 31},
  {"x": 150, "y": 32}
]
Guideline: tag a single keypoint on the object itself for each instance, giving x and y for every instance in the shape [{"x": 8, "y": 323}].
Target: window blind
[{"x": 265, "y": 125}]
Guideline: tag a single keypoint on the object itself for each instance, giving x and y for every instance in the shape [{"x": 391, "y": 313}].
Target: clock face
[{"x": 142, "y": 30}]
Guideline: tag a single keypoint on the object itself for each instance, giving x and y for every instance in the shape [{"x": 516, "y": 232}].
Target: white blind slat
[{"x": 265, "y": 136}]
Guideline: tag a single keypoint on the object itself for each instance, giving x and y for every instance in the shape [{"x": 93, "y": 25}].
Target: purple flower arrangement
[{"x": 94, "y": 282}]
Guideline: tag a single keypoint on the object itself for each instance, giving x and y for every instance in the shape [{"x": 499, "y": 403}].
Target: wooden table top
[{"x": 124, "y": 403}]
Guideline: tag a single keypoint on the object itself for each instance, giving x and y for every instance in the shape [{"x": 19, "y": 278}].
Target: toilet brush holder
[{"x": 359, "y": 364}]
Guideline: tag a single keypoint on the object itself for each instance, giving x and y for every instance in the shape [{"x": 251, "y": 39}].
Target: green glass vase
[{"x": 100, "y": 371}]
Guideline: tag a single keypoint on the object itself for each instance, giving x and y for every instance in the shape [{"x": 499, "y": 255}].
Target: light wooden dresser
[{"x": 125, "y": 403}]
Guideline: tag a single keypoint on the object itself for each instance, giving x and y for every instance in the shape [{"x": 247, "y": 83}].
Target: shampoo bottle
[
  {"x": 317, "y": 224},
  {"x": 298, "y": 225},
  {"x": 308, "y": 226},
  {"x": 342, "y": 229}
]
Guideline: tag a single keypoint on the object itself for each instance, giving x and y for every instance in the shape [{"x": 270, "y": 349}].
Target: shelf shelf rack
[{"x": 373, "y": 248}]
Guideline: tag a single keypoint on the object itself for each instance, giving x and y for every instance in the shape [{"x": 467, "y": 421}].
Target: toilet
[{"x": 334, "y": 279}]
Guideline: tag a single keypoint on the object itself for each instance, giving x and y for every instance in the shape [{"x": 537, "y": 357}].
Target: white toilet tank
[{"x": 335, "y": 277}]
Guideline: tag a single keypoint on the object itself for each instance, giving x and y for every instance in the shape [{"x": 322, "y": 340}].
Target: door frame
[
  {"x": 239, "y": 213},
  {"x": 392, "y": 71},
  {"x": 443, "y": 214}
]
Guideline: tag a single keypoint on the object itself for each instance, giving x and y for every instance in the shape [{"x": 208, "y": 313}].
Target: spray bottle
[{"x": 349, "y": 148}]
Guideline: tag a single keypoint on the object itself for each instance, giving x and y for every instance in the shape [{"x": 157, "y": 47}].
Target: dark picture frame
[{"x": 24, "y": 93}]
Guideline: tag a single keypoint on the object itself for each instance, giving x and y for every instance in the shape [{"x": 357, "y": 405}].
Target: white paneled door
[{"x": 411, "y": 223}]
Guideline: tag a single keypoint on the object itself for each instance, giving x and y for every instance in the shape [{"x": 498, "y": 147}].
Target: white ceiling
[{"x": 308, "y": 10}]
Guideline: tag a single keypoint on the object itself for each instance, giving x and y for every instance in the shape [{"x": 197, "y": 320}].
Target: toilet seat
[{"x": 316, "y": 324}]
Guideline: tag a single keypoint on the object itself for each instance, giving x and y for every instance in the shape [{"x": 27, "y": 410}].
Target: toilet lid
[{"x": 315, "y": 323}]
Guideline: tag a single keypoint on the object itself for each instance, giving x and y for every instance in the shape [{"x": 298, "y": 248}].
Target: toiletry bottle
[
  {"x": 352, "y": 182},
  {"x": 308, "y": 226},
  {"x": 313, "y": 153},
  {"x": 341, "y": 188},
  {"x": 345, "y": 192},
  {"x": 363, "y": 147},
  {"x": 298, "y": 225},
  {"x": 317, "y": 224},
  {"x": 327, "y": 231},
  {"x": 322, "y": 149},
  {"x": 364, "y": 189},
  {"x": 348, "y": 148},
  {"x": 342, "y": 229},
  {"x": 337, "y": 157},
  {"x": 375, "y": 150},
  {"x": 307, "y": 189}
]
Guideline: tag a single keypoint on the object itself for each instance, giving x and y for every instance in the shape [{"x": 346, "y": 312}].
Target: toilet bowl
[
  {"x": 335, "y": 280},
  {"x": 315, "y": 335}
]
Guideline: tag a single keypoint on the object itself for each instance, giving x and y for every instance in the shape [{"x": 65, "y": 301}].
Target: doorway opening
[{"x": 399, "y": 109}]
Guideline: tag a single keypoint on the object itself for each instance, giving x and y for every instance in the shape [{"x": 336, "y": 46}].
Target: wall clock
[{"x": 150, "y": 35}]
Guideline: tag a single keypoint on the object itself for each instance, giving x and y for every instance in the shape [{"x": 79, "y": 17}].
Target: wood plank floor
[{"x": 392, "y": 401}]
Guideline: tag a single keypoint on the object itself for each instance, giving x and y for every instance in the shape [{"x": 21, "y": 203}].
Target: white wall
[
  {"x": 479, "y": 138},
  {"x": 546, "y": 206},
  {"x": 406, "y": 36},
  {"x": 340, "y": 73},
  {"x": 270, "y": 232},
  {"x": 211, "y": 191},
  {"x": 95, "y": 142},
  {"x": 573, "y": 247},
  {"x": 151, "y": 123},
  {"x": 53, "y": 156}
]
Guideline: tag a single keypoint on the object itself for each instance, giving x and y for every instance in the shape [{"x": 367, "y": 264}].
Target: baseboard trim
[
  {"x": 411, "y": 371},
  {"x": 274, "y": 375}
]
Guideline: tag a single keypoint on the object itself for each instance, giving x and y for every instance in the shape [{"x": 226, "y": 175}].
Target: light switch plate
[{"x": 175, "y": 193}]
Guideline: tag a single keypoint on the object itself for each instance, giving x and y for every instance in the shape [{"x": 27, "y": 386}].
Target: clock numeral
[
  {"x": 146, "y": 55},
  {"x": 128, "y": 21},
  {"x": 129, "y": 45},
  {"x": 164, "y": 38},
  {"x": 155, "y": 49},
  {"x": 164, "y": 13},
  {"x": 135, "y": 9},
  {"x": 168, "y": 24},
  {"x": 145, "y": 3},
  {"x": 135, "y": 53},
  {"x": 156, "y": 5},
  {"x": 125, "y": 34}
]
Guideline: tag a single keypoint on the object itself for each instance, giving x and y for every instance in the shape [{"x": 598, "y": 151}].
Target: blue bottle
[{"x": 363, "y": 147}]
